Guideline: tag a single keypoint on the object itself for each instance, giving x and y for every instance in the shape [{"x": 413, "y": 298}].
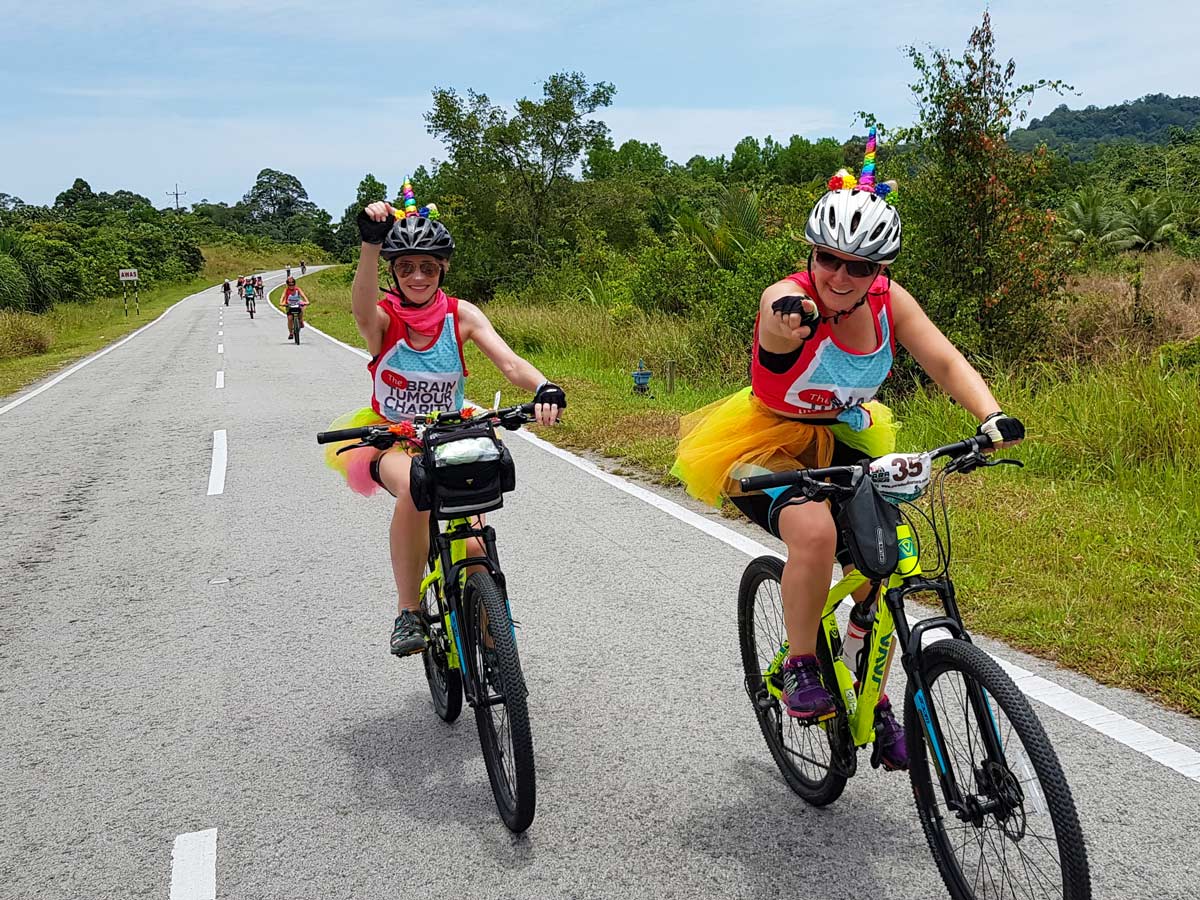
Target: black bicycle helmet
[{"x": 417, "y": 236}]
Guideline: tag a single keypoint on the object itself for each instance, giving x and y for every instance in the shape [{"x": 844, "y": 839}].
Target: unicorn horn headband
[
  {"x": 843, "y": 180},
  {"x": 429, "y": 211}
]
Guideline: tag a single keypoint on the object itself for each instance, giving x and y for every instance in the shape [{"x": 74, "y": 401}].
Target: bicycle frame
[
  {"x": 448, "y": 564},
  {"x": 890, "y": 624}
]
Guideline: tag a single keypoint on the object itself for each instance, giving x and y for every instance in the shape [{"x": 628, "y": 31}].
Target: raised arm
[{"x": 372, "y": 321}]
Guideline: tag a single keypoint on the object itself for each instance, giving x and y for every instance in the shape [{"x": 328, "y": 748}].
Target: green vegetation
[{"x": 1079, "y": 133}]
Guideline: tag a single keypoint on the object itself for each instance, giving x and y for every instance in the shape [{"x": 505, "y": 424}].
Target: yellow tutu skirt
[
  {"x": 739, "y": 431},
  {"x": 355, "y": 465}
]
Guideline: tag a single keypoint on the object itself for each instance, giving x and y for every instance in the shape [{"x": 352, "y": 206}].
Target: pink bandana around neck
[{"x": 425, "y": 319}]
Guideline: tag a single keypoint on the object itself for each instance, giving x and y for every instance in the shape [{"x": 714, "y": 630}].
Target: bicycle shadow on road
[
  {"x": 426, "y": 774},
  {"x": 860, "y": 846}
]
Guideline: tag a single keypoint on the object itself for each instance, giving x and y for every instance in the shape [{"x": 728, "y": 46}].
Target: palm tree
[
  {"x": 734, "y": 227},
  {"x": 1087, "y": 221},
  {"x": 1145, "y": 223}
]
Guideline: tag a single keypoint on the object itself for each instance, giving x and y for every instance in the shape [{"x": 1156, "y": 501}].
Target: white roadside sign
[{"x": 127, "y": 274}]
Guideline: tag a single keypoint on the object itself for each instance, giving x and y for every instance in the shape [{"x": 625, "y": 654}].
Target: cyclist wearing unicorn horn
[
  {"x": 415, "y": 335},
  {"x": 824, "y": 341}
]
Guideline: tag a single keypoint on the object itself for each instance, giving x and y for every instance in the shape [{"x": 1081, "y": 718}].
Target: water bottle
[{"x": 862, "y": 617}]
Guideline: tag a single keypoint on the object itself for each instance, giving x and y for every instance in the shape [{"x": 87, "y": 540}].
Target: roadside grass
[
  {"x": 70, "y": 331},
  {"x": 1088, "y": 556},
  {"x": 82, "y": 328}
]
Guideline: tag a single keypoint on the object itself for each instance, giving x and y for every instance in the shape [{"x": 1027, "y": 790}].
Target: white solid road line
[
  {"x": 220, "y": 348},
  {"x": 194, "y": 866},
  {"x": 216, "y": 475},
  {"x": 220, "y": 379}
]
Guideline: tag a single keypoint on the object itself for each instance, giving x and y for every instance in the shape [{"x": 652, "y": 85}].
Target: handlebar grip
[
  {"x": 342, "y": 434},
  {"x": 775, "y": 479}
]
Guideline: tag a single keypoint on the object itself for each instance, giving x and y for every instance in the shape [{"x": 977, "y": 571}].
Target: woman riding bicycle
[
  {"x": 824, "y": 341},
  {"x": 293, "y": 302},
  {"x": 415, "y": 335},
  {"x": 248, "y": 290}
]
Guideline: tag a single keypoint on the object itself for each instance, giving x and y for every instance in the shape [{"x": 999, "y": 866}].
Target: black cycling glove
[
  {"x": 549, "y": 392},
  {"x": 373, "y": 232},
  {"x": 796, "y": 304},
  {"x": 1001, "y": 428}
]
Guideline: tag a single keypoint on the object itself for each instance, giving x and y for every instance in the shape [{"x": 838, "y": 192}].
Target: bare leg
[
  {"x": 811, "y": 538},
  {"x": 408, "y": 535}
]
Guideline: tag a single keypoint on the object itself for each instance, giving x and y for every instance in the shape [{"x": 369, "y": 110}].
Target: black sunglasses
[{"x": 855, "y": 268}]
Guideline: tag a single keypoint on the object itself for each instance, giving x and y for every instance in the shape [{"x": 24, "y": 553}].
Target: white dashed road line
[
  {"x": 220, "y": 379},
  {"x": 216, "y": 475},
  {"x": 194, "y": 866}
]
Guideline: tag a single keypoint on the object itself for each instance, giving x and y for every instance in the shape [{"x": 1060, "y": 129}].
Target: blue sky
[{"x": 140, "y": 95}]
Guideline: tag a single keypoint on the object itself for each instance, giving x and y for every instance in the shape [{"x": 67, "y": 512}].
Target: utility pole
[{"x": 177, "y": 193}]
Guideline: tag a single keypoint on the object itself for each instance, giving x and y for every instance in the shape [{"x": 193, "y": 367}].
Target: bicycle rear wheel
[
  {"x": 501, "y": 712},
  {"x": 805, "y": 754},
  {"x": 445, "y": 683},
  {"x": 1019, "y": 833},
  {"x": 296, "y": 329}
]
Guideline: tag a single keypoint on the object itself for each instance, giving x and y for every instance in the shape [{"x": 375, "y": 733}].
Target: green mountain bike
[
  {"x": 993, "y": 802},
  {"x": 460, "y": 471}
]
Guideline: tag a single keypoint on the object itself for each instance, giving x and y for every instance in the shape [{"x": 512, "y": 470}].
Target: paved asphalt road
[{"x": 172, "y": 662}]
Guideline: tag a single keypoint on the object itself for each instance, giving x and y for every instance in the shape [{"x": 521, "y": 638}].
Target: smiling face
[
  {"x": 837, "y": 287},
  {"x": 418, "y": 277}
]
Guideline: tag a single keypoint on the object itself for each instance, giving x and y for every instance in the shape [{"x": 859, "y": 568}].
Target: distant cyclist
[
  {"x": 248, "y": 290},
  {"x": 258, "y": 286},
  {"x": 293, "y": 302},
  {"x": 289, "y": 270},
  {"x": 303, "y": 268},
  {"x": 227, "y": 290}
]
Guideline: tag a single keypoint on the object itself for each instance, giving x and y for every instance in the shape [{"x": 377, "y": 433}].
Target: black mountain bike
[
  {"x": 993, "y": 802},
  {"x": 462, "y": 470}
]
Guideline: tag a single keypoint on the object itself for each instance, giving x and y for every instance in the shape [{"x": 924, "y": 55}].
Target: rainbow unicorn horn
[
  {"x": 410, "y": 200},
  {"x": 866, "y": 181}
]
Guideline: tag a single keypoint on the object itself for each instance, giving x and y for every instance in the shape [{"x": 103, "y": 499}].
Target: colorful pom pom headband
[
  {"x": 844, "y": 181},
  {"x": 410, "y": 204}
]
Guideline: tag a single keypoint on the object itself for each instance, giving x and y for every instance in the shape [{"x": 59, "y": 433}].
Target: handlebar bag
[
  {"x": 463, "y": 473},
  {"x": 868, "y": 523}
]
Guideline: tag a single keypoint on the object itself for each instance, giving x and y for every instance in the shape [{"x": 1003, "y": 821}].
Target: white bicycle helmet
[{"x": 856, "y": 222}]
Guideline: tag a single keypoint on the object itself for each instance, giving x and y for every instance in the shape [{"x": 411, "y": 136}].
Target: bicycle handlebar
[
  {"x": 510, "y": 417},
  {"x": 960, "y": 449}
]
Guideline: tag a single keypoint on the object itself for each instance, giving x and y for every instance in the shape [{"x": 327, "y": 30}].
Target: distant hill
[{"x": 1078, "y": 131}]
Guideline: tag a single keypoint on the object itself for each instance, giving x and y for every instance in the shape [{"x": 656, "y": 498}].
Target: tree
[
  {"x": 531, "y": 152},
  {"x": 79, "y": 192},
  {"x": 345, "y": 236},
  {"x": 979, "y": 250},
  {"x": 276, "y": 197},
  {"x": 633, "y": 159},
  {"x": 1145, "y": 223},
  {"x": 1087, "y": 223}
]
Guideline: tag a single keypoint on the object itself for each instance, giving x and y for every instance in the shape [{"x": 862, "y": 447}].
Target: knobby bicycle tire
[
  {"x": 510, "y": 768},
  {"x": 793, "y": 746},
  {"x": 1031, "y": 773},
  {"x": 445, "y": 683}
]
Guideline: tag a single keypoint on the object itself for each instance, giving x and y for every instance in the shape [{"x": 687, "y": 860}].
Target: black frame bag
[
  {"x": 867, "y": 523},
  {"x": 450, "y": 489}
]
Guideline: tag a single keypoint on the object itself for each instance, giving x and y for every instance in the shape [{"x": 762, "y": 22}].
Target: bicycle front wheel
[
  {"x": 1015, "y": 832},
  {"x": 501, "y": 712},
  {"x": 804, "y": 753},
  {"x": 445, "y": 683}
]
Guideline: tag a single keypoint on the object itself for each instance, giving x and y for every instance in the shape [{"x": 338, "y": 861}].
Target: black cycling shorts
[{"x": 762, "y": 510}]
